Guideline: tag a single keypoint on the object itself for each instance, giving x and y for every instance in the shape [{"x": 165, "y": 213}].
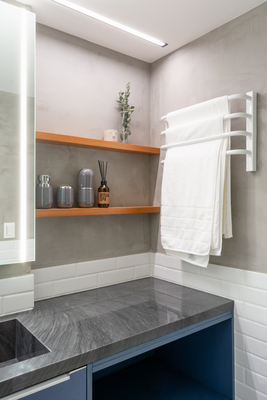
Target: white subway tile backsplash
[
  {"x": 75, "y": 284},
  {"x": 204, "y": 283},
  {"x": 160, "y": 259},
  {"x": 112, "y": 277},
  {"x": 193, "y": 269},
  {"x": 256, "y": 381},
  {"x": 239, "y": 308},
  {"x": 225, "y": 273},
  {"x": 173, "y": 262},
  {"x": 17, "y": 284},
  {"x": 256, "y": 279},
  {"x": 255, "y": 313},
  {"x": 142, "y": 271},
  {"x": 70, "y": 278},
  {"x": 1, "y": 305},
  {"x": 199, "y": 282},
  {"x": 239, "y": 341},
  {"x": 243, "y": 293},
  {"x": 255, "y": 347},
  {"x": 245, "y": 392},
  {"x": 133, "y": 260},
  {"x": 166, "y": 273},
  {"x": 43, "y": 290},
  {"x": 54, "y": 273},
  {"x": 232, "y": 291},
  {"x": 152, "y": 258},
  {"x": 188, "y": 279},
  {"x": 95, "y": 266},
  {"x": 255, "y": 296},
  {"x": 252, "y": 329},
  {"x": 240, "y": 373},
  {"x": 251, "y": 345},
  {"x": 251, "y": 362},
  {"x": 162, "y": 273},
  {"x": 18, "y": 302}
]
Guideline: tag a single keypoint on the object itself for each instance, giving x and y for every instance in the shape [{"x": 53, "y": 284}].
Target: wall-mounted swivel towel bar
[{"x": 250, "y": 132}]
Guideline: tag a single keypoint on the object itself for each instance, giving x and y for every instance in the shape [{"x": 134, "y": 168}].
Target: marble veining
[{"x": 84, "y": 327}]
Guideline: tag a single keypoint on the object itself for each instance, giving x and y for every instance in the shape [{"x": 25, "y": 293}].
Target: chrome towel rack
[{"x": 250, "y": 132}]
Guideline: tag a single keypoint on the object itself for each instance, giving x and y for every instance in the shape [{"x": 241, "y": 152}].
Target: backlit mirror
[{"x": 17, "y": 134}]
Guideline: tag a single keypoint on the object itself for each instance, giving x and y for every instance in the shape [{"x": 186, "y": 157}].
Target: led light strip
[
  {"x": 108, "y": 21},
  {"x": 23, "y": 136}
]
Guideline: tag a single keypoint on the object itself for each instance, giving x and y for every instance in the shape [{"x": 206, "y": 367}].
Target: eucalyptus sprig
[
  {"x": 126, "y": 110},
  {"x": 124, "y": 98}
]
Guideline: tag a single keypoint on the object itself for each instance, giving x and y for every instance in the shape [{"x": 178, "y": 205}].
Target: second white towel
[{"x": 194, "y": 212}]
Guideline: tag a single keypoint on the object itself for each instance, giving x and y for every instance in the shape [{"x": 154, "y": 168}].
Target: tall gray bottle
[{"x": 86, "y": 191}]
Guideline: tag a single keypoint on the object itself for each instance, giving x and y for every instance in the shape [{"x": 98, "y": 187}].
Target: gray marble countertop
[{"x": 87, "y": 326}]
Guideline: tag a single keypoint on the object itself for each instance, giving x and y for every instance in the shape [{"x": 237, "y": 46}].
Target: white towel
[
  {"x": 195, "y": 190},
  {"x": 208, "y": 109}
]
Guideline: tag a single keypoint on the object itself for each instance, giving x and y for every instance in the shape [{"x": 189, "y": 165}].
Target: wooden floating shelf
[
  {"x": 76, "y": 141},
  {"x": 68, "y": 212}
]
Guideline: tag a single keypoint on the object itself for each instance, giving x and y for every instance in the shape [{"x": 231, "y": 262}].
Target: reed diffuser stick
[{"x": 103, "y": 170}]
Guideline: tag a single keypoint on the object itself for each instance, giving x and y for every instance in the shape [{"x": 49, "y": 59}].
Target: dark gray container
[
  {"x": 86, "y": 191},
  {"x": 65, "y": 196},
  {"x": 44, "y": 192}
]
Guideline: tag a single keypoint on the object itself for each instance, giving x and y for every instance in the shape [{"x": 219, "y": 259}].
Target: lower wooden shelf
[{"x": 72, "y": 212}]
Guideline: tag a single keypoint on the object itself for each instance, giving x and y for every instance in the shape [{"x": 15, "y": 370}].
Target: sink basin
[{"x": 17, "y": 343}]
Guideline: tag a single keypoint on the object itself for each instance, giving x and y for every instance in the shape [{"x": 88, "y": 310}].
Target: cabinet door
[{"x": 66, "y": 387}]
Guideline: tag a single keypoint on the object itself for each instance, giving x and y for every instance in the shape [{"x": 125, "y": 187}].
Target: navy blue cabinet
[
  {"x": 66, "y": 387},
  {"x": 194, "y": 363}
]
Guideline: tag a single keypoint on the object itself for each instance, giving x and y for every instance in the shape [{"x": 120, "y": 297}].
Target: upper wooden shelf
[
  {"x": 75, "y": 141},
  {"x": 68, "y": 212}
]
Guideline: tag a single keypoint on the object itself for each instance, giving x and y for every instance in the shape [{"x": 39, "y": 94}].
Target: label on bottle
[{"x": 103, "y": 197}]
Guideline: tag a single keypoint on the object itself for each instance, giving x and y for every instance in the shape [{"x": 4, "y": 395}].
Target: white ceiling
[{"x": 175, "y": 22}]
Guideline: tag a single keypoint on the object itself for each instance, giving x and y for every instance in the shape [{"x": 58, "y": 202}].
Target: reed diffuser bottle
[{"x": 103, "y": 190}]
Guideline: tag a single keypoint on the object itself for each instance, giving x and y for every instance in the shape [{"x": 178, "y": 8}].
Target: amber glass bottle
[{"x": 103, "y": 195}]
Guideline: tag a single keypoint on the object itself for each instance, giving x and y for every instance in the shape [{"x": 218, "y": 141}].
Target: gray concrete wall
[
  {"x": 77, "y": 89},
  {"x": 231, "y": 59},
  {"x": 78, "y": 84}
]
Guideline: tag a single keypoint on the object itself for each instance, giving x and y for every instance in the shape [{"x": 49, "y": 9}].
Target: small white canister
[{"x": 111, "y": 135}]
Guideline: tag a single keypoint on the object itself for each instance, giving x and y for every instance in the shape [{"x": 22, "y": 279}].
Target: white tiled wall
[
  {"x": 16, "y": 294},
  {"x": 70, "y": 278},
  {"x": 249, "y": 291}
]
